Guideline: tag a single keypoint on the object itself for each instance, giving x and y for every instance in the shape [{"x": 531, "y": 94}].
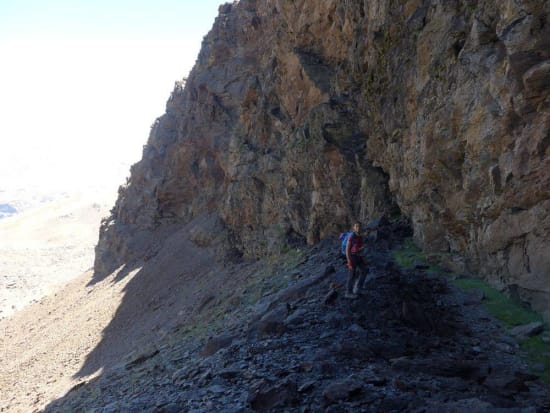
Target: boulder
[
  {"x": 215, "y": 344},
  {"x": 528, "y": 330},
  {"x": 342, "y": 390},
  {"x": 271, "y": 396}
]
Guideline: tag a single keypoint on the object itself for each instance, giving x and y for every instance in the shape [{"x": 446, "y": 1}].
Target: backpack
[{"x": 344, "y": 236}]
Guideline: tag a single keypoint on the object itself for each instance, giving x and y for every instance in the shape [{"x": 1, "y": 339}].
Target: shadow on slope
[{"x": 166, "y": 292}]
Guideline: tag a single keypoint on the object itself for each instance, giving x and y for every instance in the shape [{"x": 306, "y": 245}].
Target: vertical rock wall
[{"x": 302, "y": 115}]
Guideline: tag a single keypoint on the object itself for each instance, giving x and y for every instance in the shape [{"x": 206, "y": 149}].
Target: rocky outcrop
[{"x": 300, "y": 116}]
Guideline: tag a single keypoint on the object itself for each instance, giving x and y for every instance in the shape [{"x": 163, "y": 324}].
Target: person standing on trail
[{"x": 355, "y": 262}]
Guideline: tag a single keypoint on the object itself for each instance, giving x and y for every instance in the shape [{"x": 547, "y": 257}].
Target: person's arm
[{"x": 348, "y": 250}]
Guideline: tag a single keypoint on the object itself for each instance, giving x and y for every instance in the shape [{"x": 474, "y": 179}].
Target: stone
[
  {"x": 508, "y": 382},
  {"x": 420, "y": 265},
  {"x": 341, "y": 390},
  {"x": 329, "y": 270},
  {"x": 169, "y": 408},
  {"x": 539, "y": 367},
  {"x": 537, "y": 79},
  {"x": 297, "y": 317},
  {"x": 355, "y": 328},
  {"x": 511, "y": 341},
  {"x": 307, "y": 386},
  {"x": 229, "y": 373},
  {"x": 270, "y": 397},
  {"x": 330, "y": 298},
  {"x": 215, "y": 344},
  {"x": 506, "y": 348},
  {"x": 216, "y": 388},
  {"x": 473, "y": 297},
  {"x": 180, "y": 375},
  {"x": 528, "y": 330},
  {"x": 272, "y": 322},
  {"x": 473, "y": 405},
  {"x": 141, "y": 358}
]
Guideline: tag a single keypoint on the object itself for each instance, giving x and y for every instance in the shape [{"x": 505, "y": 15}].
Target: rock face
[{"x": 300, "y": 116}]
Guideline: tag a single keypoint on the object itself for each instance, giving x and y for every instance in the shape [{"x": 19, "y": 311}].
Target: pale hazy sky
[{"x": 82, "y": 81}]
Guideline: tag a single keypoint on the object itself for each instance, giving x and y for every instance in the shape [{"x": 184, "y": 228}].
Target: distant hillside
[
  {"x": 6, "y": 210},
  {"x": 44, "y": 247}
]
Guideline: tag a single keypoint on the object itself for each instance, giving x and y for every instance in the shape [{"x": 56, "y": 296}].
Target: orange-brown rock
[{"x": 302, "y": 115}]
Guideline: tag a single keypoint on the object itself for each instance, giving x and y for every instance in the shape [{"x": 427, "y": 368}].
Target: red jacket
[{"x": 356, "y": 242}]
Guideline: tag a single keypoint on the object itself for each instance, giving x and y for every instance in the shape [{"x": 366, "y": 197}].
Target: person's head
[{"x": 356, "y": 227}]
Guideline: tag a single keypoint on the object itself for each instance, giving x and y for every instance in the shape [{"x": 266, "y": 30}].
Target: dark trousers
[{"x": 358, "y": 265}]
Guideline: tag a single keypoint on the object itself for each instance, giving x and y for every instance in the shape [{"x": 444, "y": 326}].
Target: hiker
[{"x": 355, "y": 262}]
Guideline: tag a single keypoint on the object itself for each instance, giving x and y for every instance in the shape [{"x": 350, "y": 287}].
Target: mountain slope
[
  {"x": 300, "y": 116},
  {"x": 412, "y": 343}
]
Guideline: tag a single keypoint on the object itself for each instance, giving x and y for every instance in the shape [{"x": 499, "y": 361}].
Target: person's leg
[
  {"x": 352, "y": 272},
  {"x": 363, "y": 271}
]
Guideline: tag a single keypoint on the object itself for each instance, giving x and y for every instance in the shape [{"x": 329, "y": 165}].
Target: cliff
[{"x": 300, "y": 116}]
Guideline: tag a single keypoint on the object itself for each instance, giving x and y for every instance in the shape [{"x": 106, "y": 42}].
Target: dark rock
[
  {"x": 473, "y": 405},
  {"x": 307, "y": 386},
  {"x": 537, "y": 79},
  {"x": 205, "y": 302},
  {"x": 354, "y": 348},
  {"x": 216, "y": 389},
  {"x": 377, "y": 223},
  {"x": 180, "y": 375},
  {"x": 392, "y": 403},
  {"x": 229, "y": 373},
  {"x": 169, "y": 408},
  {"x": 269, "y": 397},
  {"x": 273, "y": 322},
  {"x": 507, "y": 348},
  {"x": 329, "y": 270},
  {"x": 376, "y": 381},
  {"x": 141, "y": 358},
  {"x": 333, "y": 319},
  {"x": 466, "y": 369},
  {"x": 414, "y": 313},
  {"x": 330, "y": 298},
  {"x": 419, "y": 265},
  {"x": 216, "y": 343},
  {"x": 473, "y": 297},
  {"x": 528, "y": 330},
  {"x": 539, "y": 367},
  {"x": 508, "y": 382},
  {"x": 342, "y": 390},
  {"x": 297, "y": 317}
]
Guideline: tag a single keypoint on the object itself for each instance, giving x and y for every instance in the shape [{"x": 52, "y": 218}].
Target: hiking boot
[
  {"x": 362, "y": 291},
  {"x": 350, "y": 296}
]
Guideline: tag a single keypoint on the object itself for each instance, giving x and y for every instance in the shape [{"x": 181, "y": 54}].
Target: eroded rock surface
[{"x": 302, "y": 115}]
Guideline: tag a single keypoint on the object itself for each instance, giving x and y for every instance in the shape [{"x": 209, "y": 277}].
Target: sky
[{"x": 82, "y": 81}]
